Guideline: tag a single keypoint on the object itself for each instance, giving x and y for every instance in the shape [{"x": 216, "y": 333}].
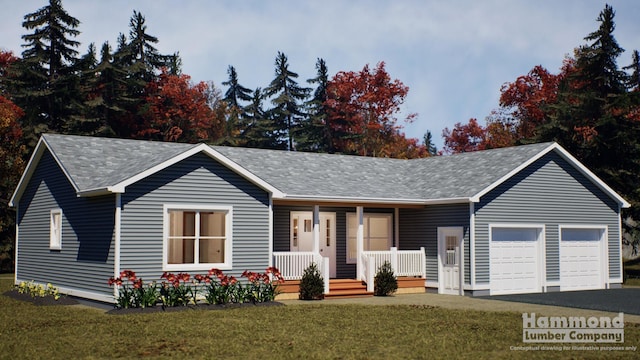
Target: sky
[{"x": 453, "y": 55}]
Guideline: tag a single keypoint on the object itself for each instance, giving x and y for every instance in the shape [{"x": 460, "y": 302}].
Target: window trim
[
  {"x": 389, "y": 217},
  {"x": 55, "y": 238},
  {"x": 228, "y": 245}
]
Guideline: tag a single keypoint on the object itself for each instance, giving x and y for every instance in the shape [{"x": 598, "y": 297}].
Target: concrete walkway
[{"x": 466, "y": 302}]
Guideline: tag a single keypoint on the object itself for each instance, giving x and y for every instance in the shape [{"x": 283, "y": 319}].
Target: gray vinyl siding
[
  {"x": 85, "y": 261},
  {"x": 281, "y": 232},
  {"x": 550, "y": 192},
  {"x": 198, "y": 180},
  {"x": 419, "y": 228}
]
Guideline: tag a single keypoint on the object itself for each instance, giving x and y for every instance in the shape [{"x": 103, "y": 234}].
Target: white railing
[
  {"x": 403, "y": 263},
  {"x": 292, "y": 265}
]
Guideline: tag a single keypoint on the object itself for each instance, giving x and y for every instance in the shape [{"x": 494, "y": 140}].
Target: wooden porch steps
[{"x": 351, "y": 288}]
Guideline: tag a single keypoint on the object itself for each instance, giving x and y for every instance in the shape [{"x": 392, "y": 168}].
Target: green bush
[
  {"x": 312, "y": 284},
  {"x": 385, "y": 281}
]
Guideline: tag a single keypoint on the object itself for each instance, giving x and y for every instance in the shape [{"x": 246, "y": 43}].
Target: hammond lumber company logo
[{"x": 572, "y": 329}]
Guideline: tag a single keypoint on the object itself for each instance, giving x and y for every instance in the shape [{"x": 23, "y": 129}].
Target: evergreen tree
[
  {"x": 633, "y": 82},
  {"x": 236, "y": 121},
  {"x": 432, "y": 150},
  {"x": 259, "y": 131},
  {"x": 45, "y": 83},
  {"x": 286, "y": 96},
  {"x": 315, "y": 134}
]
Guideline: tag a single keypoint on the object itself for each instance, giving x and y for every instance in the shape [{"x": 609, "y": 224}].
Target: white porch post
[
  {"x": 316, "y": 229},
  {"x": 359, "y": 240},
  {"x": 117, "y": 240},
  {"x": 396, "y": 232}
]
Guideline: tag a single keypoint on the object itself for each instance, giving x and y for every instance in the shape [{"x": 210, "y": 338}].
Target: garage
[
  {"x": 581, "y": 258},
  {"x": 515, "y": 260}
]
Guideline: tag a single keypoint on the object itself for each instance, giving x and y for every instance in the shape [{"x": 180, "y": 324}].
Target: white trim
[
  {"x": 472, "y": 244},
  {"x": 55, "y": 229},
  {"x": 228, "y": 247},
  {"x": 568, "y": 157},
  {"x": 459, "y": 230},
  {"x": 621, "y": 278},
  {"x": 365, "y": 200},
  {"x": 315, "y": 218},
  {"x": 541, "y": 248},
  {"x": 117, "y": 229},
  {"x": 359, "y": 240},
  {"x": 396, "y": 227},
  {"x": 16, "y": 254},
  {"x": 270, "y": 230}
]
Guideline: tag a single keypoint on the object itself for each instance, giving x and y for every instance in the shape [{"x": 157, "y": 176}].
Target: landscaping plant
[
  {"x": 312, "y": 284},
  {"x": 38, "y": 290},
  {"x": 385, "y": 282},
  {"x": 132, "y": 292}
]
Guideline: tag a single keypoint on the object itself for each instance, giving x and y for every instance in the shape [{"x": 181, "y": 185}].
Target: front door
[
  {"x": 449, "y": 260},
  {"x": 302, "y": 235}
]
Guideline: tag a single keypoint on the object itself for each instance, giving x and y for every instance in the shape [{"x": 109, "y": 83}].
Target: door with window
[
  {"x": 450, "y": 259},
  {"x": 302, "y": 235}
]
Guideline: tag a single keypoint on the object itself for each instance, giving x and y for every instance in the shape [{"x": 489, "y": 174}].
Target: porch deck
[{"x": 350, "y": 288}]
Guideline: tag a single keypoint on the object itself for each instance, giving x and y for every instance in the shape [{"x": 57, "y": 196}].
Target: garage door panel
[
  {"x": 514, "y": 267},
  {"x": 581, "y": 265}
]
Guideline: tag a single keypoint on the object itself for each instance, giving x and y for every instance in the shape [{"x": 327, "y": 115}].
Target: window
[
  {"x": 55, "y": 229},
  {"x": 377, "y": 234},
  {"x": 514, "y": 234},
  {"x": 197, "y": 238},
  {"x": 581, "y": 234}
]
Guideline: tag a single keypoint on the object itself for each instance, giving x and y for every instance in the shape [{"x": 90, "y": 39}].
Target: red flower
[
  {"x": 184, "y": 277},
  {"x": 137, "y": 284}
]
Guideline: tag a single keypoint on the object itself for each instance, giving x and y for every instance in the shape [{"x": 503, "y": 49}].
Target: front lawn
[{"x": 319, "y": 330}]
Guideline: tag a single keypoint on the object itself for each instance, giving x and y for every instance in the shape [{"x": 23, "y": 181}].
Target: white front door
[
  {"x": 449, "y": 259},
  {"x": 302, "y": 235}
]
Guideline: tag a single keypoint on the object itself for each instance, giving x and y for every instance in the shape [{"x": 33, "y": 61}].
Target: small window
[
  {"x": 577, "y": 234},
  {"x": 514, "y": 234},
  {"x": 55, "y": 230},
  {"x": 197, "y": 238}
]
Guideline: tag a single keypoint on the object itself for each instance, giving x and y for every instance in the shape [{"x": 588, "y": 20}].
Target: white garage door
[
  {"x": 515, "y": 260},
  {"x": 581, "y": 262}
]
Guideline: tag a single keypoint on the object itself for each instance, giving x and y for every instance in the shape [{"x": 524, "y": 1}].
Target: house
[{"x": 513, "y": 220}]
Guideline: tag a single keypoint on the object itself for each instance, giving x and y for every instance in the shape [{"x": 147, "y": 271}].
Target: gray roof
[{"x": 95, "y": 163}]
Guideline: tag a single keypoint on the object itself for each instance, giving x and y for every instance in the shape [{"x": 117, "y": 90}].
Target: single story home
[{"x": 513, "y": 220}]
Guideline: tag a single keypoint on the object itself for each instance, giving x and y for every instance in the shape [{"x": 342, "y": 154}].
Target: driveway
[{"x": 624, "y": 300}]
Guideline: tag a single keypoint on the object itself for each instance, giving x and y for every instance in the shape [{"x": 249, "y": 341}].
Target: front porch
[{"x": 407, "y": 265}]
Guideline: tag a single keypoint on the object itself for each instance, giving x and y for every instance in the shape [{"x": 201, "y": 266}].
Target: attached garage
[
  {"x": 582, "y": 258},
  {"x": 516, "y": 260}
]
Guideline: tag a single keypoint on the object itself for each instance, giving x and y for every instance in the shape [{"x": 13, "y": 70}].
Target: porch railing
[
  {"x": 403, "y": 263},
  {"x": 292, "y": 265}
]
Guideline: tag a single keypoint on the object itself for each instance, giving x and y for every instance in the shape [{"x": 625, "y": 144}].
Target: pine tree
[
  {"x": 45, "y": 83},
  {"x": 286, "y": 96},
  {"x": 233, "y": 97},
  {"x": 259, "y": 131},
  {"x": 315, "y": 134},
  {"x": 432, "y": 150}
]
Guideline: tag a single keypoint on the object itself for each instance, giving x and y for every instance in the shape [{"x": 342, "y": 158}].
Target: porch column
[
  {"x": 396, "y": 228},
  {"x": 316, "y": 229},
  {"x": 359, "y": 240}
]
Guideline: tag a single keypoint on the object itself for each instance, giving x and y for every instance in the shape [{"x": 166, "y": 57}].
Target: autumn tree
[
  {"x": 12, "y": 162},
  {"x": 179, "y": 111},
  {"x": 287, "y": 97},
  {"x": 361, "y": 112},
  {"x": 464, "y": 137}
]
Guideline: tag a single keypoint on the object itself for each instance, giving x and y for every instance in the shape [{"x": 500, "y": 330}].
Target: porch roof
[{"x": 104, "y": 165}]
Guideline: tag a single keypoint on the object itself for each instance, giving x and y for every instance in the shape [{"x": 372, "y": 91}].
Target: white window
[
  {"x": 197, "y": 237},
  {"x": 581, "y": 234},
  {"x": 377, "y": 234},
  {"x": 55, "y": 229}
]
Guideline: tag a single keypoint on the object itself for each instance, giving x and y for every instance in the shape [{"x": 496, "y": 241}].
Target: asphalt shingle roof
[{"x": 94, "y": 163}]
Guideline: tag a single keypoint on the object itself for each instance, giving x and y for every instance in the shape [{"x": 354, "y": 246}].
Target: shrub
[
  {"x": 312, "y": 284},
  {"x": 385, "y": 281}
]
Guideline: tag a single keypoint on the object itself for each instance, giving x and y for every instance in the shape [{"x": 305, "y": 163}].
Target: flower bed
[{"x": 181, "y": 290}]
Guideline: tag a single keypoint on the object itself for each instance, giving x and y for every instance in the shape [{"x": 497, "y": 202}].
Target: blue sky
[{"x": 454, "y": 55}]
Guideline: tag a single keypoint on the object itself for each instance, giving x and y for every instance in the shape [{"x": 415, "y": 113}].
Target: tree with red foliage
[
  {"x": 464, "y": 138},
  {"x": 176, "y": 110},
  {"x": 361, "y": 108}
]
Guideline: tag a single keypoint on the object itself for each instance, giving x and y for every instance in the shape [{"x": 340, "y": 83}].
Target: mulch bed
[
  {"x": 198, "y": 307},
  {"x": 40, "y": 301}
]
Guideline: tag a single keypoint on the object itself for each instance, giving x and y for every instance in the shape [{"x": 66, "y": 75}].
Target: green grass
[{"x": 319, "y": 330}]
